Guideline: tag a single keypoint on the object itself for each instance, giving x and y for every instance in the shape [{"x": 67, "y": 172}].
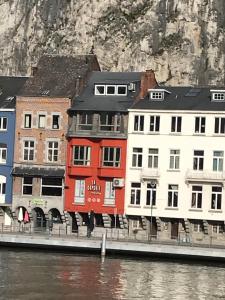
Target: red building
[{"x": 97, "y": 141}]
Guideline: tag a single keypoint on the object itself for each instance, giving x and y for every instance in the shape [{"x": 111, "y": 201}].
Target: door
[{"x": 174, "y": 229}]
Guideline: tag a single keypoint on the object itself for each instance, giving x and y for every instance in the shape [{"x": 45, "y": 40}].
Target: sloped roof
[
  {"x": 56, "y": 76},
  {"x": 9, "y": 88},
  {"x": 88, "y": 101},
  {"x": 183, "y": 98}
]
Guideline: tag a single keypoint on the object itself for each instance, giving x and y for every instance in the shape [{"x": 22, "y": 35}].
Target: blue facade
[{"x": 7, "y": 140}]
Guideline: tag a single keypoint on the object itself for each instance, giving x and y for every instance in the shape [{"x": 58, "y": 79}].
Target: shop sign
[
  {"x": 94, "y": 188},
  {"x": 37, "y": 202}
]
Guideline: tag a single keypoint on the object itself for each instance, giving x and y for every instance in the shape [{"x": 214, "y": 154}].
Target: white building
[{"x": 175, "y": 167}]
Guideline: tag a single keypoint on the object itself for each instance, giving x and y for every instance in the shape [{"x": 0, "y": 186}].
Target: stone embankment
[{"x": 84, "y": 245}]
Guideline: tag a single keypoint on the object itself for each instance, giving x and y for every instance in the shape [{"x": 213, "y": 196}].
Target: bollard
[{"x": 103, "y": 245}]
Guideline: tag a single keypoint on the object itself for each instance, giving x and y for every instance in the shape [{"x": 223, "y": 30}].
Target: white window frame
[
  {"x": 216, "y": 198},
  {"x": 3, "y": 153},
  {"x": 110, "y": 122},
  {"x": 200, "y": 125},
  {"x": 198, "y": 160},
  {"x": 2, "y": 188},
  {"x": 174, "y": 163},
  {"x": 85, "y": 125},
  {"x": 109, "y": 193},
  {"x": 154, "y": 125},
  {"x": 27, "y": 121},
  {"x": 116, "y": 90},
  {"x": 173, "y": 195},
  {"x": 218, "y": 160},
  {"x": 96, "y": 89},
  {"x": 219, "y": 127},
  {"x": 41, "y": 121},
  {"x": 27, "y": 184},
  {"x": 157, "y": 95},
  {"x": 151, "y": 194},
  {"x": 114, "y": 151},
  {"x": 137, "y": 157},
  {"x": 218, "y": 96},
  {"x": 135, "y": 193},
  {"x": 217, "y": 228},
  {"x": 79, "y": 191},
  {"x": 153, "y": 158},
  {"x": 84, "y": 155},
  {"x": 51, "y": 186},
  {"x": 56, "y": 126},
  {"x": 29, "y": 149},
  {"x": 196, "y": 197},
  {"x": 197, "y": 227},
  {"x": 3, "y": 123},
  {"x": 139, "y": 123},
  {"x": 176, "y": 124},
  {"x": 53, "y": 151}
]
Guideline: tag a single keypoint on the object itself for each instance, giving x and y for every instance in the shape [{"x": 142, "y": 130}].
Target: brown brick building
[{"x": 40, "y": 142}]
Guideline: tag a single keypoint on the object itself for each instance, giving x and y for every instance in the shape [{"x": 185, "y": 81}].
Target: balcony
[
  {"x": 204, "y": 176},
  {"x": 148, "y": 174}
]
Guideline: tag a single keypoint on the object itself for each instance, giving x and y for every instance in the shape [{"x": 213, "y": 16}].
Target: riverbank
[{"x": 84, "y": 245}]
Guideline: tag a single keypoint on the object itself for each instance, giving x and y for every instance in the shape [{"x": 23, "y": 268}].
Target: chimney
[{"x": 148, "y": 81}]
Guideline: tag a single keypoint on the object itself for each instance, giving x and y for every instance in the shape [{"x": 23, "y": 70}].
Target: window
[
  {"x": 154, "y": 123},
  {"x": 3, "y": 123},
  {"x": 79, "y": 191},
  {"x": 198, "y": 160},
  {"x": 27, "y": 186},
  {"x": 3, "y": 153},
  {"x": 200, "y": 125},
  {"x": 28, "y": 150},
  {"x": 218, "y": 161},
  {"x": 172, "y": 195},
  {"x": 196, "y": 198},
  {"x": 109, "y": 193},
  {"x": 2, "y": 188},
  {"x": 176, "y": 124},
  {"x": 197, "y": 227},
  {"x": 138, "y": 123},
  {"x": 53, "y": 151},
  {"x": 174, "y": 160},
  {"x": 111, "y": 90},
  {"x": 109, "y": 122},
  {"x": 137, "y": 157},
  {"x": 216, "y": 198},
  {"x": 153, "y": 158},
  {"x": 219, "y": 125},
  {"x": 111, "y": 157},
  {"x": 81, "y": 155},
  {"x": 51, "y": 186},
  {"x": 85, "y": 122},
  {"x": 157, "y": 95},
  {"x": 27, "y": 120},
  {"x": 151, "y": 194},
  {"x": 99, "y": 90},
  {"x": 217, "y": 228},
  {"x": 41, "y": 121},
  {"x": 135, "y": 193},
  {"x": 218, "y": 96},
  {"x": 55, "y": 121}
]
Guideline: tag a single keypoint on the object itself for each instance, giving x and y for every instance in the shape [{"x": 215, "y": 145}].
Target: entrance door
[
  {"x": 174, "y": 229},
  {"x": 153, "y": 228}
]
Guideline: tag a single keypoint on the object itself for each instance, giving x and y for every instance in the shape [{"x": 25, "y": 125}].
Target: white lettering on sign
[{"x": 94, "y": 188}]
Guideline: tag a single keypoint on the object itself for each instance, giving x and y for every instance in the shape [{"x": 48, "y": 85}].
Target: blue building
[{"x": 9, "y": 87}]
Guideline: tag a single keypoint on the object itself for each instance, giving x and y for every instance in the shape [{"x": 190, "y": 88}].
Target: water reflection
[{"x": 37, "y": 275}]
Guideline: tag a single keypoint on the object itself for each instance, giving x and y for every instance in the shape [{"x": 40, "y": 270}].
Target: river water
[{"x": 26, "y": 275}]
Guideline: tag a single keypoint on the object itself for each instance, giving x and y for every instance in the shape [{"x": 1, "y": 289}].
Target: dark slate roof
[
  {"x": 9, "y": 88},
  {"x": 183, "y": 98},
  {"x": 88, "y": 101},
  {"x": 39, "y": 172},
  {"x": 56, "y": 76}
]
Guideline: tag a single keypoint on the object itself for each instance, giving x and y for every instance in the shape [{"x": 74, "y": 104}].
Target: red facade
[{"x": 95, "y": 176}]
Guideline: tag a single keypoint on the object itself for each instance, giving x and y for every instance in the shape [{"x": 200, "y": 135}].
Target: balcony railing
[
  {"x": 150, "y": 174},
  {"x": 205, "y": 176}
]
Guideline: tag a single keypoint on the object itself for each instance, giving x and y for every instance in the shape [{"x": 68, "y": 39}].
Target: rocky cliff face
[{"x": 183, "y": 41}]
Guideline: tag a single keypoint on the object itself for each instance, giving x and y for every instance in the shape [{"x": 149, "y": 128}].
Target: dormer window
[
  {"x": 218, "y": 95},
  {"x": 157, "y": 95},
  {"x": 99, "y": 90},
  {"x": 111, "y": 90}
]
